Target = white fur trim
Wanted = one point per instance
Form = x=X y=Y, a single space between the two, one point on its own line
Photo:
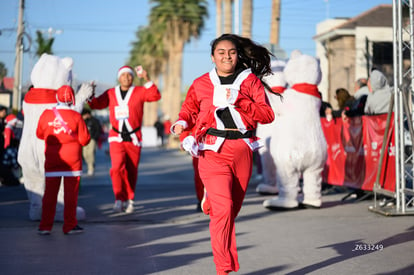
x=125 y=69
x=179 y=122
x=148 y=84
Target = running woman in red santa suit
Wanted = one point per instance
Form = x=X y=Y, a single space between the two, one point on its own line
x=126 y=105
x=224 y=107
x=64 y=132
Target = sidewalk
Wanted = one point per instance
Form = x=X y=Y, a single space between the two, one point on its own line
x=165 y=234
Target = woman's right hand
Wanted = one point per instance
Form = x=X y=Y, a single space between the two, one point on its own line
x=178 y=129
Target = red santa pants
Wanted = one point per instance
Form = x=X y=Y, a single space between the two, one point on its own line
x=71 y=190
x=124 y=172
x=225 y=175
x=198 y=184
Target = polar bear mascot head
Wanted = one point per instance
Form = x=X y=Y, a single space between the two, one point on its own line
x=302 y=74
x=52 y=72
x=48 y=74
x=302 y=68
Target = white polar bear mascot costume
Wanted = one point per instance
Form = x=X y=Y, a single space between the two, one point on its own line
x=48 y=74
x=299 y=142
x=276 y=81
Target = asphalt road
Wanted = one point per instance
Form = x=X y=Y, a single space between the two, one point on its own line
x=166 y=235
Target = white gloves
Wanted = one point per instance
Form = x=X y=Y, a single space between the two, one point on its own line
x=84 y=93
x=190 y=145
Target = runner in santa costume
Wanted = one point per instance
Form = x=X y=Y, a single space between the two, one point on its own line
x=198 y=184
x=126 y=105
x=276 y=81
x=64 y=133
x=224 y=107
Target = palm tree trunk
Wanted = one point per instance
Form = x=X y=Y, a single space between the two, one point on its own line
x=228 y=16
x=175 y=80
x=247 y=11
x=166 y=93
x=150 y=113
x=219 y=18
x=275 y=23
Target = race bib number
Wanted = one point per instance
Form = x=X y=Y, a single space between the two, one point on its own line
x=121 y=112
x=222 y=95
x=219 y=97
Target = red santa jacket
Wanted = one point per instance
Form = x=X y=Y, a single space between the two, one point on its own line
x=8 y=136
x=248 y=106
x=63 y=150
x=128 y=111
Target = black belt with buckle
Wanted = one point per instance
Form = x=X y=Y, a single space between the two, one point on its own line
x=229 y=134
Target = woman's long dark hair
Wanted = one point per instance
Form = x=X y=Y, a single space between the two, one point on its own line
x=249 y=54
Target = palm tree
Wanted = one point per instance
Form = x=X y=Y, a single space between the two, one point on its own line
x=181 y=20
x=247 y=11
x=43 y=45
x=149 y=52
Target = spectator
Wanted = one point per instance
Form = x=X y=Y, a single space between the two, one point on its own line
x=345 y=101
x=9 y=167
x=167 y=128
x=3 y=114
x=89 y=151
x=361 y=88
x=159 y=126
x=380 y=94
x=324 y=106
x=9 y=130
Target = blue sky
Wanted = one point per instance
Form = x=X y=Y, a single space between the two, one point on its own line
x=98 y=34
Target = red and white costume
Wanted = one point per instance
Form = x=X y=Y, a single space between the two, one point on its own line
x=48 y=74
x=64 y=133
x=128 y=112
x=276 y=81
x=225 y=164
x=11 y=121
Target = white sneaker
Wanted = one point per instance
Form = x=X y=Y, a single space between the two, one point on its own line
x=130 y=207
x=118 y=206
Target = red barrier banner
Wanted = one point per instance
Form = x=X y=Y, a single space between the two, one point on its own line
x=354 y=149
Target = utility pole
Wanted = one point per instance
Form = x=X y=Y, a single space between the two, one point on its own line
x=17 y=86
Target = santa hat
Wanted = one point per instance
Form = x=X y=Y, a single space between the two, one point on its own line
x=10 y=119
x=66 y=95
x=125 y=69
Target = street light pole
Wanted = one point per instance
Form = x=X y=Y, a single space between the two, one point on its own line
x=17 y=86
